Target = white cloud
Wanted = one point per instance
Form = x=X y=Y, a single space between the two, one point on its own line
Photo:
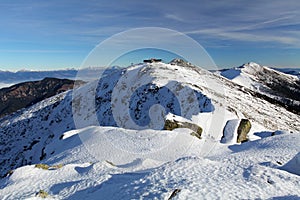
x=248 y=37
x=174 y=17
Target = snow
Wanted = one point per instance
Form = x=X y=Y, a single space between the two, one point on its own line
x=120 y=160
x=121 y=146
x=244 y=75
x=230 y=131
x=5 y=85
x=69 y=134
x=293 y=166
x=246 y=171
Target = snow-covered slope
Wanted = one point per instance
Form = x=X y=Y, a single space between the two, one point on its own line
x=283 y=88
x=130 y=157
x=249 y=171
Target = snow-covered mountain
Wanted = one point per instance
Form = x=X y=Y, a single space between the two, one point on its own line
x=282 y=87
x=291 y=71
x=130 y=157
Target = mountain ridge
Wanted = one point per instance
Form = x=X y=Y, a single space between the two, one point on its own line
x=28 y=93
x=281 y=87
x=44 y=123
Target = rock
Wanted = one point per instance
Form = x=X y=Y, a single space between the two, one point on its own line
x=42 y=194
x=180 y=62
x=171 y=124
x=243 y=130
x=174 y=193
x=279 y=132
x=196 y=135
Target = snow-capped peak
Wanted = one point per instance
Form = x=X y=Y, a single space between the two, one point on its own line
x=283 y=88
x=252 y=64
x=179 y=61
x=251 y=68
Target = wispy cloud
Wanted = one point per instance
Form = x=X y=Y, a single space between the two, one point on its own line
x=87 y=21
x=279 y=26
x=221 y=34
x=174 y=17
x=60 y=25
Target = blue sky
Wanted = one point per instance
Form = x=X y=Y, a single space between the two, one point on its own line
x=60 y=34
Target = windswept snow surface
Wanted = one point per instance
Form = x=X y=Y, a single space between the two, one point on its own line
x=248 y=171
x=230 y=131
x=293 y=166
x=121 y=161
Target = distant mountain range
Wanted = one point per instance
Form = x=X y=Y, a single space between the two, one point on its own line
x=291 y=71
x=8 y=78
x=21 y=76
x=26 y=94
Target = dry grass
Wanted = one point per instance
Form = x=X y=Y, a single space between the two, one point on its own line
x=47 y=167
x=42 y=194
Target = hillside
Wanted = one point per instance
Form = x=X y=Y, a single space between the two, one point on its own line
x=25 y=94
x=283 y=88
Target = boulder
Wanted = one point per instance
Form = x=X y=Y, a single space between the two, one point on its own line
x=174 y=194
x=243 y=130
x=171 y=124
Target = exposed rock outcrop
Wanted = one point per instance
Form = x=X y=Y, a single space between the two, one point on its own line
x=171 y=124
x=243 y=130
